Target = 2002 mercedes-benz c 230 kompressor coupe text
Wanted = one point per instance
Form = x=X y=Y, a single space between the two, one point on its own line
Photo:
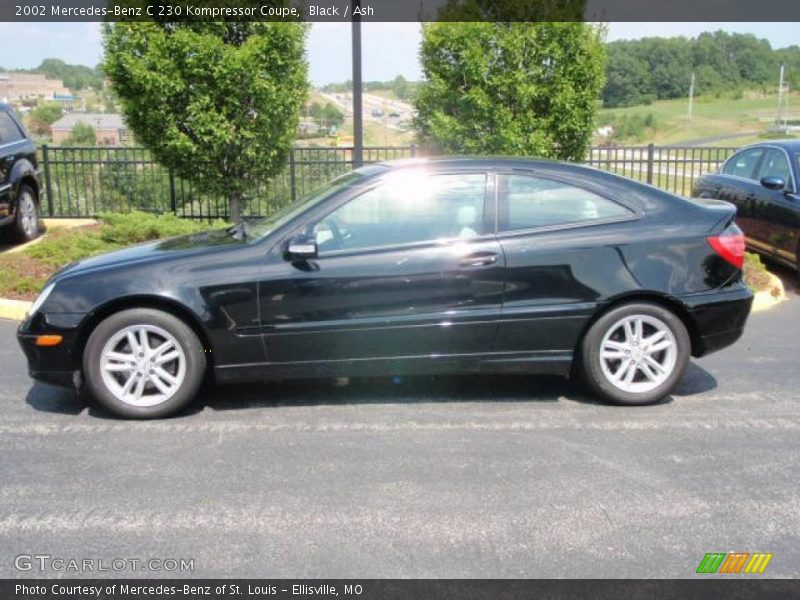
x=422 y=266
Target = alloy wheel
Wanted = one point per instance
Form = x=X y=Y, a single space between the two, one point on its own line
x=638 y=353
x=143 y=365
x=28 y=218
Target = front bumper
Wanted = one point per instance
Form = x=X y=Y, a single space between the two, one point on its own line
x=57 y=365
x=719 y=317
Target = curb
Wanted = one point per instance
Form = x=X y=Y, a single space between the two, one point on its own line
x=14 y=309
x=773 y=295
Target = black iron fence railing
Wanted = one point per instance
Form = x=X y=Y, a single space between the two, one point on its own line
x=85 y=181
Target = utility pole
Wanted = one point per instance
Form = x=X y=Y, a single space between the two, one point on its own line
x=783 y=101
x=691 y=96
x=358 y=118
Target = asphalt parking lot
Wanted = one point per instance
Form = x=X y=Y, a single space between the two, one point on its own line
x=446 y=477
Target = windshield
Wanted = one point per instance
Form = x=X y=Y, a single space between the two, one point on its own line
x=261 y=227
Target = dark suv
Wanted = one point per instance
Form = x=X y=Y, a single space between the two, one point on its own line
x=19 y=179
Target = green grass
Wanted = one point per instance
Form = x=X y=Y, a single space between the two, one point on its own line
x=23 y=274
x=711 y=117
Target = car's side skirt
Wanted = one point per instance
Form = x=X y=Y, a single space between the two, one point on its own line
x=556 y=363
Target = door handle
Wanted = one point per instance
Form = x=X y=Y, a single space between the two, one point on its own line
x=479 y=259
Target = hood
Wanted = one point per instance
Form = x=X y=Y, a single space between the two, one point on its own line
x=150 y=252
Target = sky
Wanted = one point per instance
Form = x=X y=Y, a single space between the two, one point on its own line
x=388 y=49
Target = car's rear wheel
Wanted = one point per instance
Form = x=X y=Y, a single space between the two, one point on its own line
x=143 y=363
x=636 y=353
x=26 y=223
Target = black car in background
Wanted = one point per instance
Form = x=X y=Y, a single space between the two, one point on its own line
x=19 y=180
x=763 y=181
x=425 y=266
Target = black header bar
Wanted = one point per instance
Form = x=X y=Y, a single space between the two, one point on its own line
x=401 y=10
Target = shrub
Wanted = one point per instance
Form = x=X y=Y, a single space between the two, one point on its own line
x=756 y=276
x=135 y=227
x=23 y=274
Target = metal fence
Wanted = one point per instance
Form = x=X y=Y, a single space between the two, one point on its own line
x=672 y=168
x=85 y=181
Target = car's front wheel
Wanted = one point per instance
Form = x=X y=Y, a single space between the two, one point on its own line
x=636 y=353
x=143 y=363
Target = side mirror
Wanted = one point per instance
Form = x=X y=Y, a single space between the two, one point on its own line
x=773 y=183
x=301 y=247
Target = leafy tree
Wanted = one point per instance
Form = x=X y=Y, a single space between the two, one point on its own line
x=49 y=112
x=401 y=87
x=38 y=127
x=217 y=102
x=326 y=114
x=82 y=134
x=510 y=88
x=723 y=63
x=628 y=79
x=75 y=77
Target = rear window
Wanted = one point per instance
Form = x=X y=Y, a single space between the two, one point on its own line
x=528 y=202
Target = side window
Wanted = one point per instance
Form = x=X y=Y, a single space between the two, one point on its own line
x=9 y=132
x=527 y=202
x=407 y=207
x=743 y=164
x=775 y=164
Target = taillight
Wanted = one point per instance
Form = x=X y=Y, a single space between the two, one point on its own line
x=729 y=245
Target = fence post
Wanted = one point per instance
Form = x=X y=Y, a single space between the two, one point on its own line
x=650 y=152
x=48 y=187
x=292 y=175
x=172 y=199
x=413 y=150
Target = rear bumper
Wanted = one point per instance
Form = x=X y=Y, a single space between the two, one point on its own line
x=719 y=317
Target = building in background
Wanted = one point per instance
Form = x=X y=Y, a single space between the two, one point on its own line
x=15 y=87
x=109 y=128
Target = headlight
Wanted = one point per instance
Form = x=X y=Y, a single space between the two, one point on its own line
x=41 y=298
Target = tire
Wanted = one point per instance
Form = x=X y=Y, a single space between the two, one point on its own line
x=171 y=368
x=26 y=224
x=613 y=343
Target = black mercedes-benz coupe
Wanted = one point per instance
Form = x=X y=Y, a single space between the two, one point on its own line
x=424 y=266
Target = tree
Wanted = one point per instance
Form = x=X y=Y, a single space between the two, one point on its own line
x=401 y=87
x=39 y=127
x=82 y=134
x=510 y=88
x=217 y=102
x=75 y=77
x=49 y=112
x=326 y=114
x=627 y=79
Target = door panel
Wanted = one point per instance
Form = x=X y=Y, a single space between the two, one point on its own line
x=554 y=278
x=436 y=299
x=779 y=209
x=408 y=267
x=5 y=184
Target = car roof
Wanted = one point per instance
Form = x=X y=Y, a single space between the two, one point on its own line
x=791 y=144
x=483 y=162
